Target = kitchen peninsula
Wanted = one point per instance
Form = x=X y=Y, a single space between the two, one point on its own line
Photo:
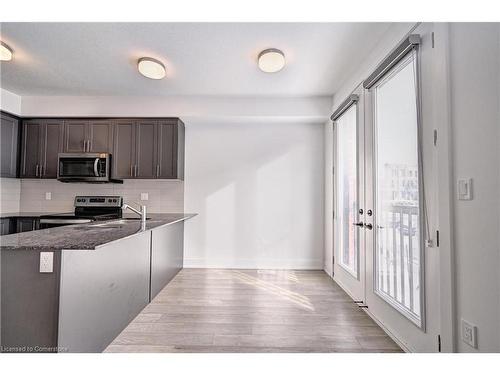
x=74 y=288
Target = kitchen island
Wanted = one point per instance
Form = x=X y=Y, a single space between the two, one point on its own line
x=74 y=288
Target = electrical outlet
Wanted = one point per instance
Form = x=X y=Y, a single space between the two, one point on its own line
x=48 y=196
x=46 y=262
x=144 y=196
x=469 y=333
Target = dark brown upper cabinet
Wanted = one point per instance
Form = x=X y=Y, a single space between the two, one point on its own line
x=88 y=136
x=100 y=136
x=52 y=145
x=75 y=136
x=123 y=157
x=31 y=142
x=42 y=140
x=140 y=148
x=148 y=149
x=170 y=149
x=145 y=149
x=9 y=127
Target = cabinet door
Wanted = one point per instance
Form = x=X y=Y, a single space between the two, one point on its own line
x=123 y=157
x=5 y=226
x=100 y=136
x=76 y=136
x=9 y=130
x=32 y=135
x=26 y=224
x=52 y=145
x=166 y=149
x=146 y=145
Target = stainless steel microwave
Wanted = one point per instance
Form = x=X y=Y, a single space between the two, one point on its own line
x=84 y=167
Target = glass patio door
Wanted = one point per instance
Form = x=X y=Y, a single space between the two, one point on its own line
x=349 y=259
x=395 y=238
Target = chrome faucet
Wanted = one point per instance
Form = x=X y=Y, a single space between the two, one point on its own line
x=142 y=212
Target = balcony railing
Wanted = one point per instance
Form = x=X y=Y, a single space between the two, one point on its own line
x=398 y=255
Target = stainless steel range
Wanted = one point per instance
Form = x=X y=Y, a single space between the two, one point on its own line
x=87 y=209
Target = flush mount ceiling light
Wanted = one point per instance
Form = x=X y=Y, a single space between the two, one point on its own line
x=5 y=52
x=151 y=68
x=271 y=60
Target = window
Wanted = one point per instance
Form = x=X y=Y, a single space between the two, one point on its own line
x=398 y=217
x=347 y=189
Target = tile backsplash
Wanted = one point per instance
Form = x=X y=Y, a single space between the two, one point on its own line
x=163 y=195
x=10 y=193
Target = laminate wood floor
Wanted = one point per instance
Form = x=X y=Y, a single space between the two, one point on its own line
x=209 y=310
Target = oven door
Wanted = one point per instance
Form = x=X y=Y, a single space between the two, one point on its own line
x=83 y=167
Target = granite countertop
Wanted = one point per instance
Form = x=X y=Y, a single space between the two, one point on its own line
x=89 y=236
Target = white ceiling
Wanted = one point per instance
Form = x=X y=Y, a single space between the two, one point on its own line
x=99 y=59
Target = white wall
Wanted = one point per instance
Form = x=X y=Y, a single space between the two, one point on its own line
x=276 y=109
x=266 y=212
x=10 y=102
x=475 y=118
x=258 y=190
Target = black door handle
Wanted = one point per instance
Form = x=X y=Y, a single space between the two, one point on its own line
x=360 y=224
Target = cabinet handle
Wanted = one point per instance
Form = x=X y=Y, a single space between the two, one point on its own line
x=41 y=171
x=136 y=169
x=89 y=145
x=131 y=174
x=36 y=170
x=157 y=170
x=84 y=145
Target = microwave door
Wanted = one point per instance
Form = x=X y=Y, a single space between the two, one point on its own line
x=77 y=167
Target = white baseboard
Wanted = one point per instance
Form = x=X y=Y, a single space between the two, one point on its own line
x=285 y=264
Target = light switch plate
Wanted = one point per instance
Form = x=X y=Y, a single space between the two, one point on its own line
x=469 y=333
x=464 y=189
x=144 y=196
x=46 y=262
x=48 y=196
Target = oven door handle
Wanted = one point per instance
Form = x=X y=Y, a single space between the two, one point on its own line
x=96 y=171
